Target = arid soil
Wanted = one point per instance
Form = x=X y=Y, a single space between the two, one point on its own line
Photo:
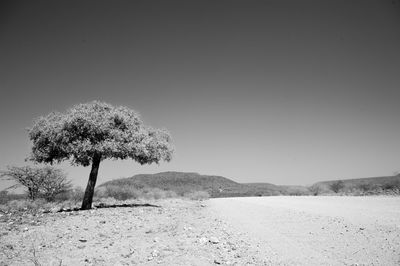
x=317 y=230
x=231 y=231
x=179 y=232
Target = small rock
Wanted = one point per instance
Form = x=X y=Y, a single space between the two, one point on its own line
x=26 y=229
x=214 y=240
x=82 y=240
x=217 y=261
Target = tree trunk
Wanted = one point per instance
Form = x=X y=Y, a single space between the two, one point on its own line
x=88 y=198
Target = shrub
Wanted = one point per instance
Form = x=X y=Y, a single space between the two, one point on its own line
x=315 y=189
x=366 y=187
x=395 y=184
x=74 y=195
x=154 y=193
x=197 y=195
x=337 y=186
x=119 y=193
x=25 y=205
x=130 y=192
x=46 y=182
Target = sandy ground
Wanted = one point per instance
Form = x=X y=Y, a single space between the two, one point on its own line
x=179 y=232
x=317 y=230
x=232 y=231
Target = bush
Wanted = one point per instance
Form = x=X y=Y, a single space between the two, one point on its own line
x=130 y=192
x=197 y=195
x=74 y=195
x=393 y=185
x=337 y=186
x=315 y=190
x=119 y=193
x=25 y=205
x=40 y=182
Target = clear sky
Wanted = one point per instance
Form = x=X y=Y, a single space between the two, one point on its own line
x=286 y=92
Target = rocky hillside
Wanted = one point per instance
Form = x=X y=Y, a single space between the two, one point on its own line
x=179 y=182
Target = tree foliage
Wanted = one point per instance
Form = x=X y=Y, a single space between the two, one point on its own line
x=97 y=128
x=88 y=133
x=46 y=182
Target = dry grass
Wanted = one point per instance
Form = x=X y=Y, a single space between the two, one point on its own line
x=197 y=195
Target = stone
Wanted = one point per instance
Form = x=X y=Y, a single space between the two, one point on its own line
x=214 y=240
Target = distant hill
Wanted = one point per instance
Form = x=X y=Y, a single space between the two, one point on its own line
x=180 y=182
x=218 y=186
x=368 y=183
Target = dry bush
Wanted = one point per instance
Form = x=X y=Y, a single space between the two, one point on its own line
x=315 y=190
x=25 y=205
x=130 y=192
x=74 y=195
x=337 y=186
x=6 y=197
x=197 y=195
x=154 y=193
x=394 y=185
x=119 y=193
x=40 y=182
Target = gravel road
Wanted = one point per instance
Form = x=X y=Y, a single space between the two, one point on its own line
x=316 y=230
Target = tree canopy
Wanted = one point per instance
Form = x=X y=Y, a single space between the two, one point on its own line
x=97 y=128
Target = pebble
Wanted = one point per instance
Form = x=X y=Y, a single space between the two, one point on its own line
x=214 y=240
x=216 y=261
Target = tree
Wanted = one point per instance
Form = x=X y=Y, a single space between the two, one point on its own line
x=337 y=186
x=46 y=182
x=88 y=133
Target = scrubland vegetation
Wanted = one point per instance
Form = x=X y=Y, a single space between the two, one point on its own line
x=184 y=185
x=388 y=185
x=71 y=198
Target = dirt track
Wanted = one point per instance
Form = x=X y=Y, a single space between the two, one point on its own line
x=317 y=230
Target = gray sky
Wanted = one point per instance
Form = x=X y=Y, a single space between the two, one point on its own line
x=286 y=92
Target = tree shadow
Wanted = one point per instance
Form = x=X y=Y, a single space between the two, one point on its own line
x=103 y=205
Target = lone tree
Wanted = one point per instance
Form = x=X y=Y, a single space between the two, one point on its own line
x=88 y=133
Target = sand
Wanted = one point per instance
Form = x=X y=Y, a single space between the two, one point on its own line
x=231 y=231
